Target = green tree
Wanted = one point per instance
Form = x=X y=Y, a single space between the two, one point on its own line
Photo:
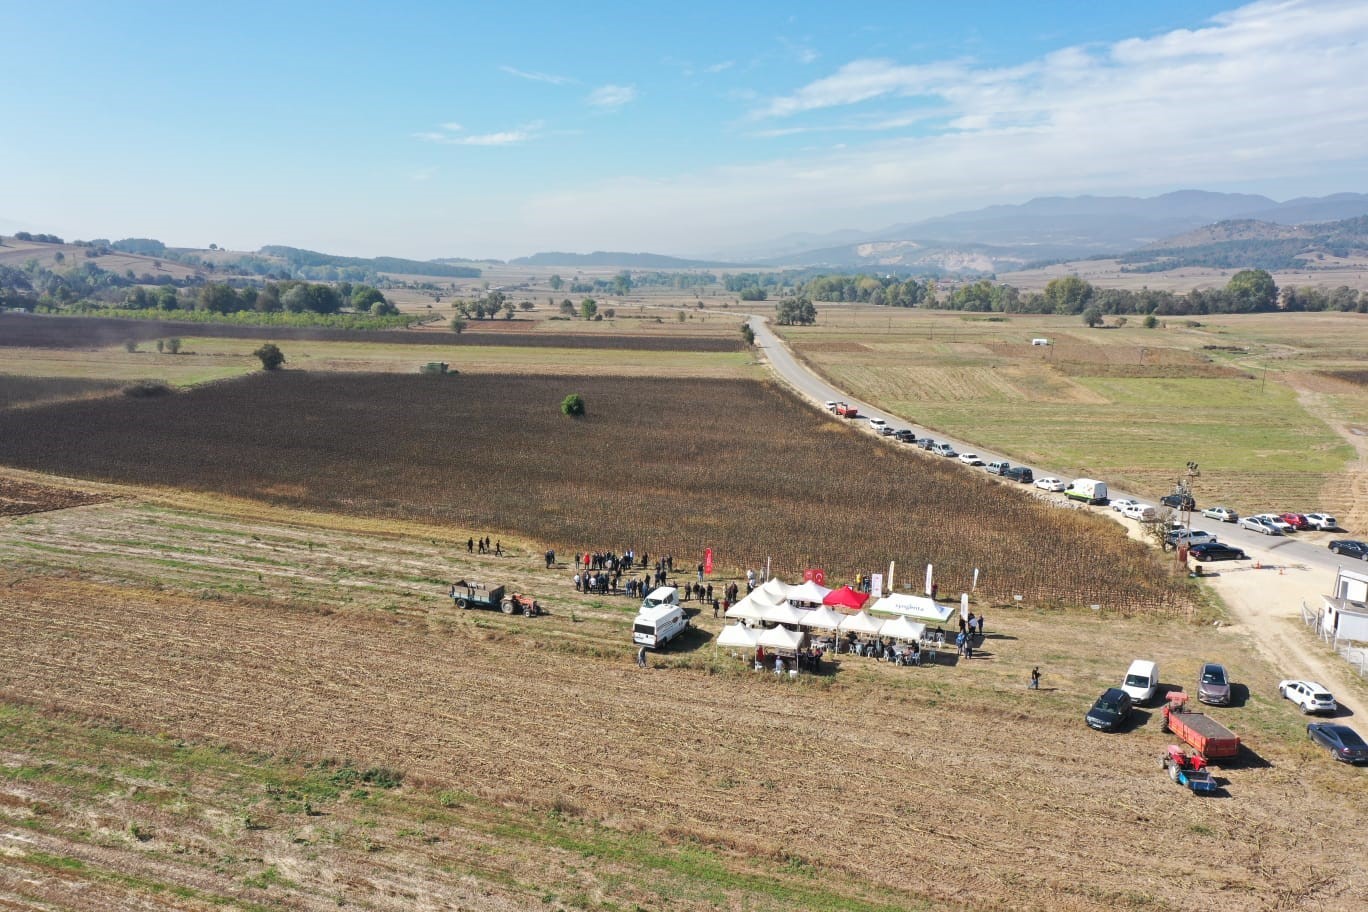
x=1151 y=321
x=1092 y=316
x=556 y=282
x=588 y=307
x=219 y=298
x=527 y=305
x=271 y=356
x=1068 y=295
x=747 y=334
x=796 y=312
x=567 y=307
x=458 y=325
x=509 y=310
x=364 y=297
x=573 y=405
x=622 y=282
x=173 y=346
x=1252 y=290
x=609 y=313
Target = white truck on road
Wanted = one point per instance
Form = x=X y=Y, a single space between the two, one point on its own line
x=1088 y=490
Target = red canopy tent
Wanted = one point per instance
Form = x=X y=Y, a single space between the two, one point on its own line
x=846 y=597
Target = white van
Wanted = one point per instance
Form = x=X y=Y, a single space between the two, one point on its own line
x=1040 y=341
x=660 y=619
x=1142 y=680
x=1087 y=490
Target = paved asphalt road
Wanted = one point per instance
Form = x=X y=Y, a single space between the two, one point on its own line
x=1286 y=550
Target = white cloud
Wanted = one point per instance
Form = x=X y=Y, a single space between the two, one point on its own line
x=612 y=96
x=1268 y=93
x=534 y=76
x=502 y=138
x=453 y=127
x=720 y=67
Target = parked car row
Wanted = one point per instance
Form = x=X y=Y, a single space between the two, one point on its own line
x=1112 y=710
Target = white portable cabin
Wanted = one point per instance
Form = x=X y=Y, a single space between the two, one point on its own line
x=1345 y=616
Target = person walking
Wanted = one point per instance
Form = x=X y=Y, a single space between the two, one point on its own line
x=1035 y=678
x=716 y=607
x=641 y=657
x=470 y=545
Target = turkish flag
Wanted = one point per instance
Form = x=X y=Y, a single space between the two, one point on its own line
x=707 y=560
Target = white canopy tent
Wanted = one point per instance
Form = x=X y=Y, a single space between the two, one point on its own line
x=900 y=628
x=748 y=609
x=774 y=591
x=783 y=614
x=781 y=638
x=808 y=592
x=917 y=607
x=822 y=618
x=738 y=635
x=861 y=623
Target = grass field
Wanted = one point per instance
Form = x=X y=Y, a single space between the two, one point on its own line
x=220 y=710
x=668 y=466
x=1129 y=405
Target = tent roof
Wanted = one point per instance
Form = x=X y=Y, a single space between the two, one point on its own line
x=775 y=590
x=738 y=635
x=780 y=638
x=808 y=592
x=860 y=622
x=900 y=628
x=919 y=607
x=746 y=609
x=783 y=614
x=846 y=598
x=822 y=617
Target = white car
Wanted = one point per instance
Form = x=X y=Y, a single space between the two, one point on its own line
x=1310 y=696
x=1122 y=503
x=1051 y=484
x=1277 y=522
x=1322 y=521
x=1224 y=514
x=878 y=424
x=1140 y=512
x=970 y=459
x=831 y=405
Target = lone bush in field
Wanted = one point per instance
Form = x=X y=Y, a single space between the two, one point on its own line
x=271 y=356
x=573 y=405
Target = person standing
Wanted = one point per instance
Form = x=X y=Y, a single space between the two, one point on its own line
x=470 y=545
x=716 y=607
x=1035 y=678
x=641 y=657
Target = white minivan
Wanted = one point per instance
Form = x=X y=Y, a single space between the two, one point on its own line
x=660 y=618
x=1142 y=680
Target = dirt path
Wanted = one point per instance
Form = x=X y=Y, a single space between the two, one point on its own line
x=1351 y=487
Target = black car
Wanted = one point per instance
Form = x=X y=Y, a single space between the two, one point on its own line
x=1019 y=473
x=1179 y=501
x=906 y=436
x=1346 y=745
x=1111 y=710
x=926 y=443
x=1215 y=551
x=1350 y=548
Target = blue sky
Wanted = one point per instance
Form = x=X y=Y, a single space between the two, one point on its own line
x=462 y=129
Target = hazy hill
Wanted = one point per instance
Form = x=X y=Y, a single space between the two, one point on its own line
x=297 y=257
x=612 y=258
x=1253 y=244
x=1053 y=228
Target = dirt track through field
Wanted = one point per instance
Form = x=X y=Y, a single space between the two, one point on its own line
x=951 y=798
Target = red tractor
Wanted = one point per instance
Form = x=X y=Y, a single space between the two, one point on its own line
x=1188 y=770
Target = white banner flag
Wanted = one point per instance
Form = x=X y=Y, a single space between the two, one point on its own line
x=928 y=579
x=975 y=586
x=964 y=605
x=890 y=575
x=876 y=585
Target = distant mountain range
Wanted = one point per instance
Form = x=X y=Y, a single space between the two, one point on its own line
x=1000 y=238
x=611 y=258
x=1254 y=244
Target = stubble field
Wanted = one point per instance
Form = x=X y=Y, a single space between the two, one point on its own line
x=173 y=741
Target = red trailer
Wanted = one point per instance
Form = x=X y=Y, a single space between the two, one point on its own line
x=847 y=411
x=1204 y=734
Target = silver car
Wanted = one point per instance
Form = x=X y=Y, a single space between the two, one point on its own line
x=1213 y=685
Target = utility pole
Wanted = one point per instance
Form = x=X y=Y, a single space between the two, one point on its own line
x=1186 y=500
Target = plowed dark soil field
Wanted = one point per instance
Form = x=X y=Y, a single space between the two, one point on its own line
x=661 y=466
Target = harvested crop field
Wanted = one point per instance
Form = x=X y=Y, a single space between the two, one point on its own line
x=661 y=466
x=540 y=776
x=25 y=331
x=17 y=390
x=19 y=497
